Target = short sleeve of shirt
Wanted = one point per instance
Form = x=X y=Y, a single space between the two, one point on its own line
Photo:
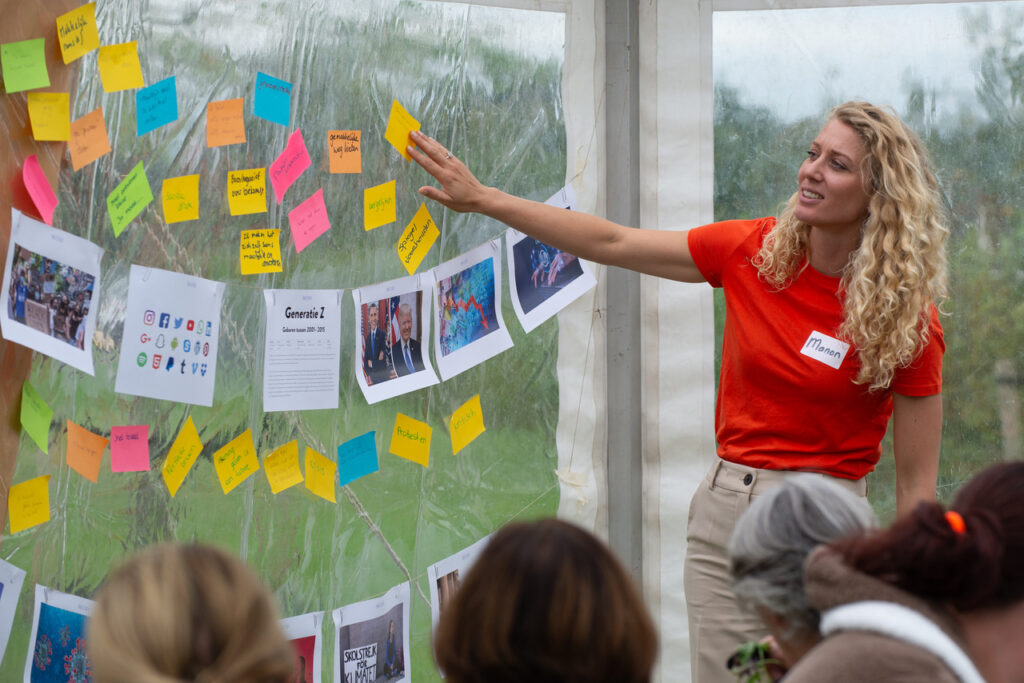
x=923 y=377
x=711 y=245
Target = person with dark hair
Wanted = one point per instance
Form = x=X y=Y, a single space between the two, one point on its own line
x=938 y=597
x=546 y=602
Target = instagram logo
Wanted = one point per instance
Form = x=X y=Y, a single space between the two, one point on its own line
x=149 y=317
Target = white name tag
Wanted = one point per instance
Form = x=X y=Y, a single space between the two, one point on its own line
x=825 y=349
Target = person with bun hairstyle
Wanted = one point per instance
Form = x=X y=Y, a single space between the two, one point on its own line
x=186 y=613
x=546 y=602
x=937 y=598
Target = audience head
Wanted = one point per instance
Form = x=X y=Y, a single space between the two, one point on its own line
x=186 y=613
x=773 y=538
x=546 y=602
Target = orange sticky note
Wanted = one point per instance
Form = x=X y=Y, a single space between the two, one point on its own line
x=282 y=467
x=247 y=191
x=85 y=451
x=415 y=242
x=236 y=461
x=466 y=424
x=224 y=122
x=119 y=67
x=184 y=451
x=400 y=124
x=50 y=113
x=77 y=33
x=89 y=139
x=345 y=149
x=28 y=503
x=320 y=474
x=181 y=198
x=379 y=205
x=411 y=440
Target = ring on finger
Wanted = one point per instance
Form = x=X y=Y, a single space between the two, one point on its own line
x=448 y=155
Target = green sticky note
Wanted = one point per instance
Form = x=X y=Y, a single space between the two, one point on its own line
x=24 y=65
x=35 y=416
x=129 y=199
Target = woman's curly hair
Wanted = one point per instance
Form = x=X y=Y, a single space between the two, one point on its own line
x=898 y=273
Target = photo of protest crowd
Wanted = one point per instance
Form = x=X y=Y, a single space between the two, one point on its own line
x=49 y=296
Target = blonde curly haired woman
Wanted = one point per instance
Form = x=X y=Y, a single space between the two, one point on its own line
x=831 y=329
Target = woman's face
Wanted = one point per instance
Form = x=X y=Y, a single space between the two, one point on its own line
x=832 y=194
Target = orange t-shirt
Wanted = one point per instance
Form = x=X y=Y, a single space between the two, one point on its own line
x=786 y=399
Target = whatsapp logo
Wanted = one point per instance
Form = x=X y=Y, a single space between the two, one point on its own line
x=141 y=360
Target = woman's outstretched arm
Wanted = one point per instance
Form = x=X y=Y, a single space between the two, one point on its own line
x=655 y=252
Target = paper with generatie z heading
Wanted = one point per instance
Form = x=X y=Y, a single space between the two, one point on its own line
x=303 y=352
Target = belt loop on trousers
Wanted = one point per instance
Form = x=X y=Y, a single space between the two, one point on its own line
x=715 y=470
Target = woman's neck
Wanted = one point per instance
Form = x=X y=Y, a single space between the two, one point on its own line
x=829 y=252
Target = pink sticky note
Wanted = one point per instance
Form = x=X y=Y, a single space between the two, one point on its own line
x=289 y=166
x=39 y=188
x=309 y=220
x=129 y=448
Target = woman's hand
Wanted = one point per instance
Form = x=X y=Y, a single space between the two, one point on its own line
x=460 y=190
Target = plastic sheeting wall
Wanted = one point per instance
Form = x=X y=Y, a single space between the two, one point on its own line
x=487 y=83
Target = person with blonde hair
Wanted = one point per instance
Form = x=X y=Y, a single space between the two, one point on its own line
x=186 y=613
x=546 y=602
x=831 y=328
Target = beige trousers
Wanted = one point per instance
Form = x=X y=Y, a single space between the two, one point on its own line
x=717 y=624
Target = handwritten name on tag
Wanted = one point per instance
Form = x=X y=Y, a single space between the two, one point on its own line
x=825 y=349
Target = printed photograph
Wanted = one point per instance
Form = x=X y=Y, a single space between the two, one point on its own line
x=58 y=655
x=304 y=654
x=371 y=650
x=391 y=334
x=465 y=305
x=49 y=297
x=541 y=271
x=447 y=586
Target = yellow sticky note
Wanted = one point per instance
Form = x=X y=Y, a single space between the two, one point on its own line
x=415 y=242
x=320 y=475
x=247 y=191
x=181 y=198
x=50 y=113
x=28 y=503
x=224 y=122
x=77 y=33
x=411 y=440
x=259 y=251
x=89 y=139
x=119 y=67
x=282 y=467
x=400 y=124
x=466 y=424
x=379 y=205
x=236 y=461
x=182 y=456
x=84 y=451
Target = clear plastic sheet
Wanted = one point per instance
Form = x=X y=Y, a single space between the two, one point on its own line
x=486 y=82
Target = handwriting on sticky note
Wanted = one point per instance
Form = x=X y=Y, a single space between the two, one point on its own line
x=272 y=99
x=247 y=191
x=415 y=242
x=320 y=474
x=28 y=503
x=38 y=186
x=84 y=451
x=180 y=198
x=24 y=65
x=156 y=105
x=89 y=139
x=224 y=122
x=36 y=416
x=466 y=424
x=182 y=456
x=259 y=251
x=129 y=198
x=411 y=439
x=309 y=220
x=289 y=165
x=129 y=448
x=236 y=461
x=356 y=458
x=400 y=124
x=379 y=205
x=77 y=33
x=50 y=114
x=345 y=150
x=119 y=67
x=282 y=467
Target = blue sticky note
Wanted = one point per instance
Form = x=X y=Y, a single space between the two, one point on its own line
x=156 y=105
x=273 y=99
x=356 y=458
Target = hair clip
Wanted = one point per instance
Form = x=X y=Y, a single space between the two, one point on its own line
x=956 y=522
